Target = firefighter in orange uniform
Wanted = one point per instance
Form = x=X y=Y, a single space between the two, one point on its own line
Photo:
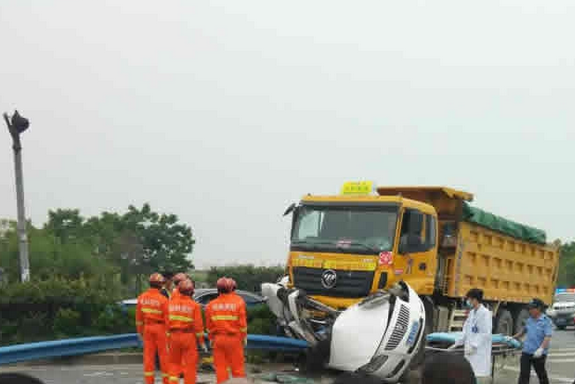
x=178 y=278
x=151 y=319
x=227 y=329
x=186 y=330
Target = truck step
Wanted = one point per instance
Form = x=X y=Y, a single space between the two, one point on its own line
x=458 y=317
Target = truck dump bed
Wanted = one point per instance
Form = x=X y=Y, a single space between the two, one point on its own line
x=508 y=260
x=507 y=269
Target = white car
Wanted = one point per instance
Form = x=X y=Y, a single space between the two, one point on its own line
x=562 y=312
x=378 y=336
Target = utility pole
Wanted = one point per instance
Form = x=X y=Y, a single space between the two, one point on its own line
x=16 y=125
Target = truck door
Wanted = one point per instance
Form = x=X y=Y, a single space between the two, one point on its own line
x=417 y=250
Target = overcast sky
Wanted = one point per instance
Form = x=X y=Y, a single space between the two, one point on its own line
x=224 y=112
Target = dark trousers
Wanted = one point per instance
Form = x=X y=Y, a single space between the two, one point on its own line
x=527 y=361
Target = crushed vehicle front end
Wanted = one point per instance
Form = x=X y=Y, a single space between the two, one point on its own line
x=380 y=335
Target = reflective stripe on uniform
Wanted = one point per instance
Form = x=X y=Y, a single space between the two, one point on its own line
x=150 y=310
x=181 y=318
x=199 y=334
x=148 y=374
x=243 y=329
x=174 y=378
x=139 y=323
x=165 y=375
x=224 y=317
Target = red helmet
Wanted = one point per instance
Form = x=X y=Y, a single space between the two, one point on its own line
x=179 y=277
x=156 y=279
x=234 y=285
x=225 y=285
x=186 y=287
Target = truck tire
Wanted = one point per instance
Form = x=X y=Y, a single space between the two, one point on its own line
x=520 y=320
x=504 y=323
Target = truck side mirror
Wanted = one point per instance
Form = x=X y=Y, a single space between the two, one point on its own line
x=290 y=209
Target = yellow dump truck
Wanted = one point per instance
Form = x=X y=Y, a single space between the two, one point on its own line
x=345 y=247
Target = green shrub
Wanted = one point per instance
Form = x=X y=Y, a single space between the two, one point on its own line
x=57 y=308
x=261 y=321
x=248 y=277
x=67 y=322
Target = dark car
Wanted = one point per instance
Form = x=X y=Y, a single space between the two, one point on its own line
x=204 y=296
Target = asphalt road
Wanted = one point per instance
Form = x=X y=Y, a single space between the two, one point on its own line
x=104 y=374
x=560 y=366
x=560 y=363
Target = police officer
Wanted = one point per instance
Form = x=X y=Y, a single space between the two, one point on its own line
x=539 y=330
x=477 y=336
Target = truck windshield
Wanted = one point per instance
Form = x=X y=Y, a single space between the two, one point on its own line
x=365 y=230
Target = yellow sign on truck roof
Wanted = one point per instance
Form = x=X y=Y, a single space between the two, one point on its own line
x=358 y=188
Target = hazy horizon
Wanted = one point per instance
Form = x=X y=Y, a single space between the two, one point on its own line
x=224 y=113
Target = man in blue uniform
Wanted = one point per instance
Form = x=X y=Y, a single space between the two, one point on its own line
x=539 y=330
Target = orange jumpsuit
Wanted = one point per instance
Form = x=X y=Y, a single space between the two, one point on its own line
x=174 y=296
x=151 y=319
x=186 y=327
x=227 y=329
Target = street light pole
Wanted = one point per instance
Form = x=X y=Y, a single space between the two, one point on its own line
x=16 y=127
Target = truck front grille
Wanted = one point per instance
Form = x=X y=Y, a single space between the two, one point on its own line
x=350 y=284
x=399 y=330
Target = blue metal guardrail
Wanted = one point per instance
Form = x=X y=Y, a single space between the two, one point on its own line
x=85 y=345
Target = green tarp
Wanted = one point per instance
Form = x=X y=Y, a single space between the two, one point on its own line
x=504 y=226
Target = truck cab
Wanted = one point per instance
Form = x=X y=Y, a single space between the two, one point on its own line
x=347 y=246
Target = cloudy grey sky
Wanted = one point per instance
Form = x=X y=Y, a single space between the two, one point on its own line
x=224 y=112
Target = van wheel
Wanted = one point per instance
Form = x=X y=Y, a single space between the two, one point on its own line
x=504 y=323
x=520 y=320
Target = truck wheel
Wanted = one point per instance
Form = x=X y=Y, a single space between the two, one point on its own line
x=504 y=323
x=520 y=320
x=561 y=327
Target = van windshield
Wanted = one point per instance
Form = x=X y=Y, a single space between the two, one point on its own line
x=360 y=229
x=565 y=298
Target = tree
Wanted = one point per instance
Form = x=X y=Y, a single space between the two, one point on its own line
x=141 y=241
x=166 y=243
x=566 y=276
x=127 y=246
x=65 y=224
